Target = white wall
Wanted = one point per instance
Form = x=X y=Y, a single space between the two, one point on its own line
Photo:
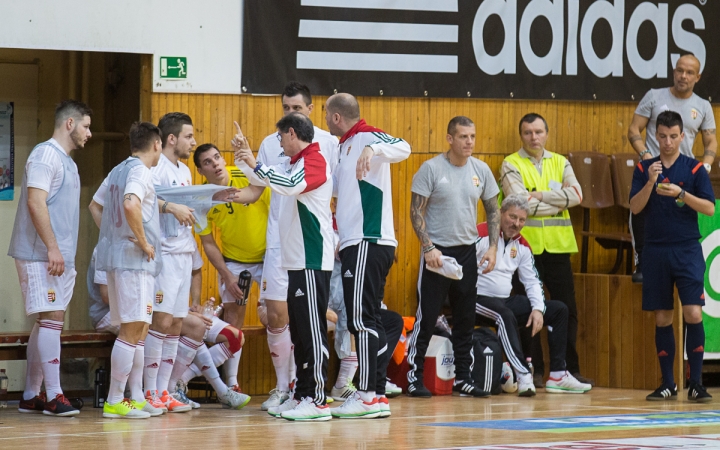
x=209 y=34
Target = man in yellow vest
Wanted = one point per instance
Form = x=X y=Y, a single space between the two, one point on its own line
x=549 y=182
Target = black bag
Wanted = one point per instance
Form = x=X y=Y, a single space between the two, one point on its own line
x=488 y=360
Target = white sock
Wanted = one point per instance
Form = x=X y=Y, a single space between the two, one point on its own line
x=136 y=374
x=187 y=348
x=153 y=352
x=190 y=373
x=34 y=376
x=49 y=352
x=121 y=361
x=292 y=369
x=167 y=361
x=366 y=396
x=220 y=353
x=231 y=368
x=557 y=374
x=348 y=367
x=280 y=347
x=204 y=360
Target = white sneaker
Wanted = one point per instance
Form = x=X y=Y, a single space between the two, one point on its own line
x=384 y=405
x=567 y=384
x=392 y=389
x=276 y=399
x=307 y=411
x=356 y=408
x=526 y=388
x=343 y=393
x=233 y=400
x=147 y=407
x=276 y=411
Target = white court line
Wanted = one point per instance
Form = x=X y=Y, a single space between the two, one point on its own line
x=381 y=31
x=620 y=398
x=504 y=404
x=412 y=5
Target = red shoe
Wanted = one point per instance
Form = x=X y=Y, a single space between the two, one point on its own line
x=60 y=407
x=173 y=405
x=35 y=405
x=154 y=400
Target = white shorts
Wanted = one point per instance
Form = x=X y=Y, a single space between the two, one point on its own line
x=215 y=329
x=172 y=285
x=131 y=296
x=197 y=261
x=100 y=277
x=255 y=270
x=105 y=325
x=274 y=284
x=41 y=291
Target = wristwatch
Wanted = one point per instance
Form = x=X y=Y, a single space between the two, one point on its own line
x=681 y=196
x=707 y=166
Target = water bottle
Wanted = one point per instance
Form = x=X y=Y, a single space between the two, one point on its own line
x=3 y=388
x=218 y=310
x=244 y=282
x=528 y=360
x=100 y=388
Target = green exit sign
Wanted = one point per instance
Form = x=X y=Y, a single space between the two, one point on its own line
x=173 y=67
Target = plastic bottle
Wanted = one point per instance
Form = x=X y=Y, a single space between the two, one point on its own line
x=3 y=388
x=100 y=388
x=244 y=282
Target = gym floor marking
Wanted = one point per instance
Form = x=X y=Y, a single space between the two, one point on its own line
x=706 y=441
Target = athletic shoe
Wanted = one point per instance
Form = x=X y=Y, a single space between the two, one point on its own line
x=236 y=388
x=123 y=410
x=147 y=407
x=355 y=408
x=276 y=411
x=181 y=391
x=538 y=380
x=233 y=400
x=173 y=404
x=418 y=389
x=583 y=379
x=663 y=393
x=35 y=405
x=154 y=399
x=567 y=384
x=526 y=388
x=384 y=407
x=343 y=393
x=329 y=400
x=276 y=398
x=391 y=389
x=697 y=393
x=307 y=411
x=60 y=406
x=465 y=389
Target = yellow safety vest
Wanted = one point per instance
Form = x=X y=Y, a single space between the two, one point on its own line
x=553 y=234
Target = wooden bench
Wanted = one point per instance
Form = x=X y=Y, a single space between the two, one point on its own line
x=75 y=344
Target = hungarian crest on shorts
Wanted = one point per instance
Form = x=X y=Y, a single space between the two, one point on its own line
x=51 y=295
x=149 y=309
x=159 y=297
x=264 y=285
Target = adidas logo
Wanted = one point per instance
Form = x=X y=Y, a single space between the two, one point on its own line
x=299 y=293
x=169 y=361
x=487 y=350
x=152 y=366
x=699 y=349
x=54 y=361
x=443 y=180
x=347 y=274
x=274 y=355
x=662 y=353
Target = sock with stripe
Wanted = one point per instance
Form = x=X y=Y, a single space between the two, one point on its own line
x=153 y=352
x=665 y=345
x=167 y=361
x=34 y=376
x=48 y=347
x=136 y=373
x=695 y=349
x=186 y=351
x=121 y=363
x=348 y=367
x=231 y=367
x=204 y=360
x=280 y=346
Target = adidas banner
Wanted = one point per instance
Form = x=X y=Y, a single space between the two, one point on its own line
x=523 y=49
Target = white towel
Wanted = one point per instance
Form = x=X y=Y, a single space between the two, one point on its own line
x=450 y=268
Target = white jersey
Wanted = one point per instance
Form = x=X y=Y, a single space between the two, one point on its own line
x=364 y=207
x=271 y=154
x=175 y=238
x=512 y=255
x=139 y=183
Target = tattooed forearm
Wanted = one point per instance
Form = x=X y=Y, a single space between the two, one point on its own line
x=710 y=132
x=709 y=153
x=417 y=217
x=635 y=137
x=493 y=220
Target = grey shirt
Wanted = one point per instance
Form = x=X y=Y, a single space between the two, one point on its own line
x=696 y=113
x=453 y=194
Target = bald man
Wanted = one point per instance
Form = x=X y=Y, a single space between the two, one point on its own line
x=697 y=115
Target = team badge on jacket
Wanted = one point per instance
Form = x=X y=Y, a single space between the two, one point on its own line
x=513 y=252
x=51 y=296
x=159 y=297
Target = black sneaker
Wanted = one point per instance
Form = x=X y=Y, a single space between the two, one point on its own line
x=35 y=405
x=465 y=389
x=418 y=389
x=60 y=406
x=637 y=277
x=663 y=393
x=697 y=393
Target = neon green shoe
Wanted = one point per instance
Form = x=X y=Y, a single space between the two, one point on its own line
x=123 y=410
x=147 y=407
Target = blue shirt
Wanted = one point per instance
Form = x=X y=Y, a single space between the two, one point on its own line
x=666 y=222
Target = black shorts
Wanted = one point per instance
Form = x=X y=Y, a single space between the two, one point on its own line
x=665 y=266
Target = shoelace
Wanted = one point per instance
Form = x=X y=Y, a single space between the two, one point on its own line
x=127 y=403
x=62 y=399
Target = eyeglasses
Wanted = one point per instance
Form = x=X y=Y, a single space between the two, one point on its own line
x=279 y=136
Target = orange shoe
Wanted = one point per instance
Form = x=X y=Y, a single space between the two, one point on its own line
x=154 y=400
x=173 y=405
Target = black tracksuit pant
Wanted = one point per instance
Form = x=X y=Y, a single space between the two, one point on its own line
x=433 y=289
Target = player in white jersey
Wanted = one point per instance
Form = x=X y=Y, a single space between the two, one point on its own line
x=296 y=98
x=367 y=243
x=43 y=244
